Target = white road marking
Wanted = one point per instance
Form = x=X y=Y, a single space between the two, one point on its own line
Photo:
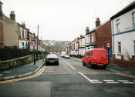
x=91 y=81
x=126 y=82
x=110 y=81
x=72 y=67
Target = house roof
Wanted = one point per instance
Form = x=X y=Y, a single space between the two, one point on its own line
x=125 y=10
x=93 y=30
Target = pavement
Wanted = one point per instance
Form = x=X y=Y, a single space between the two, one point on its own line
x=21 y=71
x=120 y=70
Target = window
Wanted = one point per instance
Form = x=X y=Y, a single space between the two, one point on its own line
x=134 y=46
x=133 y=19
x=22 y=44
x=119 y=47
x=118 y=27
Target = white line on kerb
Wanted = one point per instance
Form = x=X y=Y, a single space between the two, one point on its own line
x=91 y=81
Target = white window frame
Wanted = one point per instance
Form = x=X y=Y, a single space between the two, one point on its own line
x=133 y=19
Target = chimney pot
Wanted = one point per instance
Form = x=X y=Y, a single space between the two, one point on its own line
x=97 y=22
x=1 y=12
x=12 y=15
x=87 y=30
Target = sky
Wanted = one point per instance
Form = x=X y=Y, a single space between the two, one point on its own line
x=62 y=19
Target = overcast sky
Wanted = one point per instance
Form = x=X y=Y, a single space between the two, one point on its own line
x=62 y=19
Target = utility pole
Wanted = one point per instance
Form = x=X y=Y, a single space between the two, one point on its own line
x=37 y=36
x=37 y=40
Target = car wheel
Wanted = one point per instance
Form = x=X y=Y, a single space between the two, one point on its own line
x=57 y=63
x=46 y=63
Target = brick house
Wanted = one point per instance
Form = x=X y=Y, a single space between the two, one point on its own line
x=103 y=34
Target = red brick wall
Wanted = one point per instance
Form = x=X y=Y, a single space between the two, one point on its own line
x=104 y=35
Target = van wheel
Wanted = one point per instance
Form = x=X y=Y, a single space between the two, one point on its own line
x=93 y=66
x=84 y=64
x=104 y=66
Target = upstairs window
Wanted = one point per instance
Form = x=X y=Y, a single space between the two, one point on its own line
x=133 y=19
x=118 y=25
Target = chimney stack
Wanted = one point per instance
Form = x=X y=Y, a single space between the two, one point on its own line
x=12 y=15
x=87 y=30
x=1 y=12
x=97 y=22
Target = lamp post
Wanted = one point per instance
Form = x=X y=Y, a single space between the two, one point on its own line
x=34 y=55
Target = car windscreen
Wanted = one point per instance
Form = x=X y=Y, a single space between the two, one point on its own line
x=51 y=56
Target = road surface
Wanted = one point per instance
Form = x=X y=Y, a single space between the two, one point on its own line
x=71 y=79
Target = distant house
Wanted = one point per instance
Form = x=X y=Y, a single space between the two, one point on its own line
x=123 y=35
x=101 y=37
x=32 y=41
x=23 y=37
x=72 y=48
x=77 y=46
x=81 y=45
x=89 y=39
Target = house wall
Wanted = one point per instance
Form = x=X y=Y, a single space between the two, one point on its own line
x=10 y=32
x=104 y=35
x=1 y=33
x=23 y=39
x=126 y=36
x=87 y=39
x=125 y=22
x=127 y=46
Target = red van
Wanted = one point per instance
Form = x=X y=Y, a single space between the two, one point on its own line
x=96 y=57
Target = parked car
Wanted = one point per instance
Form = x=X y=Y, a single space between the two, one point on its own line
x=52 y=59
x=96 y=57
x=66 y=56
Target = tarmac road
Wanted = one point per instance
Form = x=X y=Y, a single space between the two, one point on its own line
x=71 y=79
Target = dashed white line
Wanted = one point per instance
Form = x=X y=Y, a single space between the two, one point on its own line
x=91 y=81
x=72 y=67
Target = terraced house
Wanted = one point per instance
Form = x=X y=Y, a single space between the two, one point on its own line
x=13 y=34
x=123 y=35
x=23 y=37
x=8 y=29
